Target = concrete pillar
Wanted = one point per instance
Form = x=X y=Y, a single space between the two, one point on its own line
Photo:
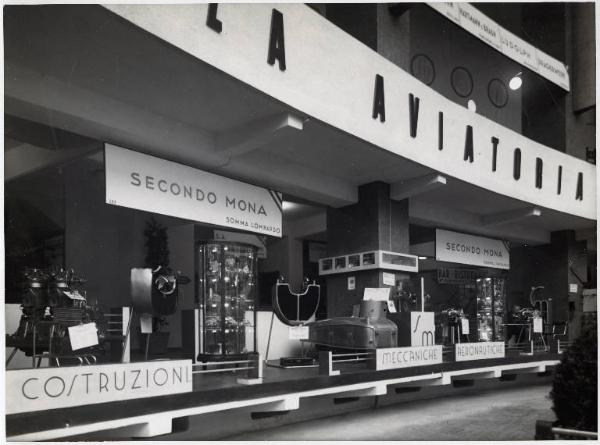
x=376 y=222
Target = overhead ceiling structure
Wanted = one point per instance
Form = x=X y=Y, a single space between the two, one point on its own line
x=84 y=70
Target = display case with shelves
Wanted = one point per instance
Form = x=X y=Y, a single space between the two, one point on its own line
x=226 y=283
x=375 y=259
x=491 y=309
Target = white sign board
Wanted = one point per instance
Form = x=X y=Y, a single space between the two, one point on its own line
x=376 y=293
x=464 y=325
x=393 y=358
x=472 y=20
x=422 y=329
x=461 y=248
x=389 y=279
x=298 y=333
x=83 y=336
x=538 y=325
x=143 y=182
x=318 y=83
x=479 y=351
x=391 y=307
x=48 y=388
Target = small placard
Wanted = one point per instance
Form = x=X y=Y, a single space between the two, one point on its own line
x=146 y=323
x=464 y=325
x=389 y=279
x=75 y=295
x=393 y=358
x=376 y=293
x=573 y=288
x=83 y=336
x=391 y=307
x=351 y=283
x=538 y=326
x=479 y=351
x=298 y=332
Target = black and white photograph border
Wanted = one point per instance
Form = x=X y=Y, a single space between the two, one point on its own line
x=299 y=221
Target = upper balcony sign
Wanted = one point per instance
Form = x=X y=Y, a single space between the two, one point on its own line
x=299 y=58
x=472 y=20
x=147 y=183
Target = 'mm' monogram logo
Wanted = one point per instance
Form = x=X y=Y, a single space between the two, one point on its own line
x=427 y=338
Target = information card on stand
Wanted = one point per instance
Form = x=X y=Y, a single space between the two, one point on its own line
x=479 y=351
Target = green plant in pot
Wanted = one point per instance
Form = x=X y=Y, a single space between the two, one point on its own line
x=575 y=385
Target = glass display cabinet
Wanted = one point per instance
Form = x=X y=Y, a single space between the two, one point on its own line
x=491 y=309
x=226 y=284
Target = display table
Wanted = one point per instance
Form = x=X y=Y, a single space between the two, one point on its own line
x=281 y=390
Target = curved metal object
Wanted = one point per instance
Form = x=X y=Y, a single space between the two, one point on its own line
x=147 y=292
x=294 y=308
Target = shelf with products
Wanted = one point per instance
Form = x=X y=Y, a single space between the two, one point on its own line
x=374 y=259
x=491 y=311
x=226 y=293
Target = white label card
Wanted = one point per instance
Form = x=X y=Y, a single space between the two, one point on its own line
x=538 y=326
x=391 y=307
x=83 y=336
x=389 y=279
x=298 y=332
x=573 y=288
x=376 y=293
x=351 y=283
x=464 y=324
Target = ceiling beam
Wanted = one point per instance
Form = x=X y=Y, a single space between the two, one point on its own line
x=432 y=215
x=256 y=134
x=414 y=186
x=509 y=216
x=85 y=112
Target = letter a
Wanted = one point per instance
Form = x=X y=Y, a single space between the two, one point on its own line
x=379 y=99
x=276 y=41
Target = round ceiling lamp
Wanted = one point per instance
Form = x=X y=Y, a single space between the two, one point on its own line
x=516 y=82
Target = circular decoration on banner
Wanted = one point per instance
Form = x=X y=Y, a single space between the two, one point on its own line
x=461 y=81
x=421 y=66
x=497 y=93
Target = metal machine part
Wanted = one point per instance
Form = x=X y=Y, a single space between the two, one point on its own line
x=156 y=291
x=370 y=330
x=295 y=308
x=52 y=301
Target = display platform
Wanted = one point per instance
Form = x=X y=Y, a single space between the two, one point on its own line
x=281 y=390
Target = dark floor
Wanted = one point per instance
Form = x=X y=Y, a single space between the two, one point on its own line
x=507 y=414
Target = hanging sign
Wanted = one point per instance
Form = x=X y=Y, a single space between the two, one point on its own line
x=461 y=248
x=144 y=182
x=393 y=358
x=41 y=389
x=267 y=47
x=479 y=351
x=481 y=26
